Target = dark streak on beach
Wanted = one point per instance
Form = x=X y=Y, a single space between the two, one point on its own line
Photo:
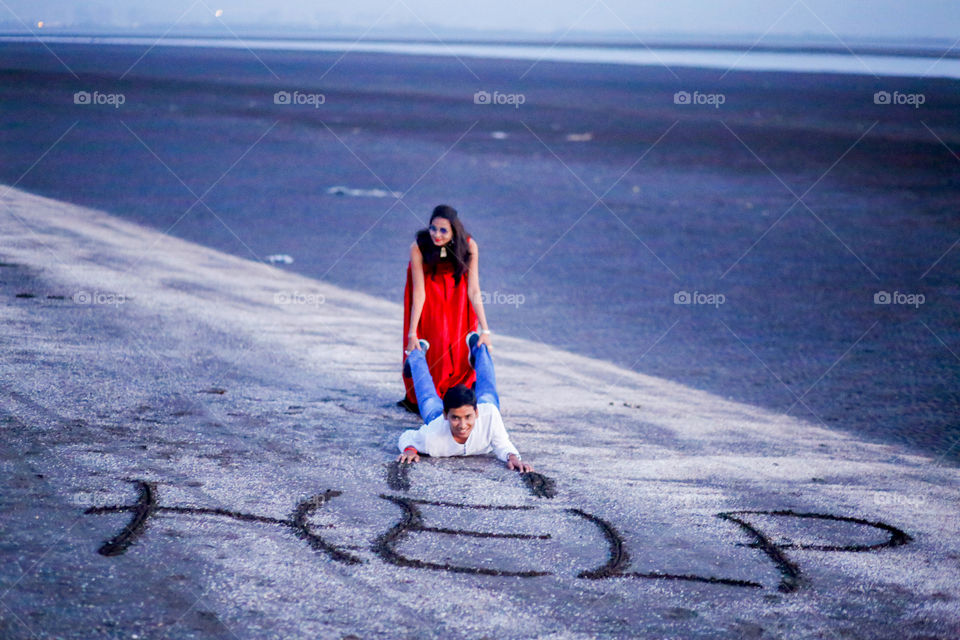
x=398 y=476
x=146 y=506
x=790 y=578
x=540 y=485
x=412 y=521
x=457 y=505
x=897 y=537
x=619 y=560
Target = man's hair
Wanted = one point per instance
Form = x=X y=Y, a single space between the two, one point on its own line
x=459 y=396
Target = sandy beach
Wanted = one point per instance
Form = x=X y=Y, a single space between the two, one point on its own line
x=198 y=445
x=595 y=202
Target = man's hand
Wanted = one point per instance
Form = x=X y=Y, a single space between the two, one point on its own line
x=513 y=462
x=409 y=456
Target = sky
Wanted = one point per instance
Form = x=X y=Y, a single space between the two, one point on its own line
x=877 y=19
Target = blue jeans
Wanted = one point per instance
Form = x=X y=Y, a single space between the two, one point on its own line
x=429 y=401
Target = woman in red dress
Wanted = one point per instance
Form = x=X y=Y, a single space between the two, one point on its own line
x=442 y=302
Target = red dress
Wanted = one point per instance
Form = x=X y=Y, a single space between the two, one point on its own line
x=446 y=320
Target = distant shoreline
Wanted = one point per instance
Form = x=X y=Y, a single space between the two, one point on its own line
x=919 y=61
x=891 y=49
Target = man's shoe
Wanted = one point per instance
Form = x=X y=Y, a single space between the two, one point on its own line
x=472 y=339
x=406 y=367
x=409 y=406
x=423 y=345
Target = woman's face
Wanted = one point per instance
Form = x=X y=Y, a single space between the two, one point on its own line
x=440 y=231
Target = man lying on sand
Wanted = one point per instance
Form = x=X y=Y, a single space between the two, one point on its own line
x=464 y=423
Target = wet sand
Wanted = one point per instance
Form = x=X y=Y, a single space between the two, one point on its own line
x=197 y=445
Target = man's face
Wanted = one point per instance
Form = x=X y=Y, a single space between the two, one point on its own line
x=461 y=422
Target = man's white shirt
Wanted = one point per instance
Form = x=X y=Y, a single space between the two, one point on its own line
x=488 y=436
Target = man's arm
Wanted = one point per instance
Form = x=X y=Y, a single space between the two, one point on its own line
x=411 y=443
x=502 y=446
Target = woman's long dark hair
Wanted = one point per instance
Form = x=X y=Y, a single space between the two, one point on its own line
x=458 y=250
